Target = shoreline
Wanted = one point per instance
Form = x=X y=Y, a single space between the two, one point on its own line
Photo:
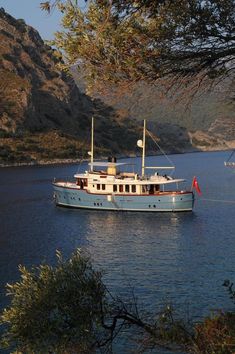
x=74 y=161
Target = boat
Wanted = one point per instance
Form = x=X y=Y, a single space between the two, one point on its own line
x=230 y=163
x=106 y=187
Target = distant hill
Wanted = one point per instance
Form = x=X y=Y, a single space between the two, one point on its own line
x=206 y=122
x=43 y=115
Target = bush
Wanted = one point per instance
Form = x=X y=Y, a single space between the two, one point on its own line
x=54 y=308
x=216 y=334
x=5 y=134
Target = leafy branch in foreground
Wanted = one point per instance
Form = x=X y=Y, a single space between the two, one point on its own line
x=66 y=308
x=124 y=42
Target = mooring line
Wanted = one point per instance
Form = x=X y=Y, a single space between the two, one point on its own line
x=219 y=200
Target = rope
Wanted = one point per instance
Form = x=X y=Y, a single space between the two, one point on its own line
x=159 y=147
x=230 y=156
x=82 y=159
x=219 y=200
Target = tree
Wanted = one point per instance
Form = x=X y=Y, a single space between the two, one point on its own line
x=68 y=309
x=124 y=42
x=55 y=308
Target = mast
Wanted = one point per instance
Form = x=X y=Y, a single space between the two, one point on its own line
x=143 y=147
x=92 y=143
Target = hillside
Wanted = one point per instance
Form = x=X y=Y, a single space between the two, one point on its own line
x=209 y=118
x=207 y=122
x=43 y=115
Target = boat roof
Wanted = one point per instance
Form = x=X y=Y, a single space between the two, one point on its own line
x=107 y=164
x=130 y=180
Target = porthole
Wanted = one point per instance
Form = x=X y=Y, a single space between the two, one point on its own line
x=154 y=206
x=149 y=206
x=94 y=203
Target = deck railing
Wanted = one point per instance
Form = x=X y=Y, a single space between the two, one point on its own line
x=66 y=179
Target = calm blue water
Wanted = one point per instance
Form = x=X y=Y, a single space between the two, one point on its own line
x=182 y=258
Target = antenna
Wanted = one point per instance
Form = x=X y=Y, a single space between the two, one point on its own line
x=91 y=153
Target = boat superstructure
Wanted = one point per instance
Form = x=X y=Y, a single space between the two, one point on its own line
x=105 y=186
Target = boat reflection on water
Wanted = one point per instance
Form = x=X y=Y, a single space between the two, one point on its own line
x=122 y=234
x=143 y=251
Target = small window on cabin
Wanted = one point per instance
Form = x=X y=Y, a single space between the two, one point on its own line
x=133 y=188
x=98 y=187
x=121 y=188
x=103 y=187
x=114 y=188
x=157 y=187
x=85 y=182
x=127 y=188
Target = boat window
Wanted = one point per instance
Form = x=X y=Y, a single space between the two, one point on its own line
x=144 y=189
x=127 y=188
x=115 y=188
x=85 y=182
x=103 y=187
x=157 y=187
x=133 y=188
x=151 y=189
x=121 y=188
x=98 y=186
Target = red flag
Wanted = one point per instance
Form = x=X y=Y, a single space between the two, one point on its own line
x=196 y=186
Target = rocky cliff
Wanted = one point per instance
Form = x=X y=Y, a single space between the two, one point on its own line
x=43 y=115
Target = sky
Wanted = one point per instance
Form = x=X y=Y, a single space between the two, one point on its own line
x=30 y=11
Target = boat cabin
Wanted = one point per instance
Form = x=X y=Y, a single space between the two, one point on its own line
x=112 y=181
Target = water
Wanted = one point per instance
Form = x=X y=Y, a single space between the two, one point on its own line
x=181 y=258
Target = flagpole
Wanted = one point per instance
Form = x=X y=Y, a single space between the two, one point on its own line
x=192 y=185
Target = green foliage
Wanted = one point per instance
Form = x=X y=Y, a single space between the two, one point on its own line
x=54 y=308
x=125 y=41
